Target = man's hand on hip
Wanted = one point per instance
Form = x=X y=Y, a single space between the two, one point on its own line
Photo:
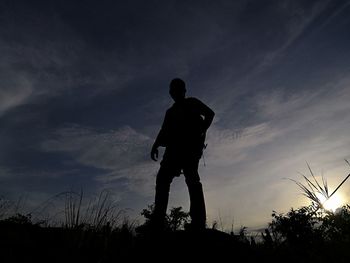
x=154 y=153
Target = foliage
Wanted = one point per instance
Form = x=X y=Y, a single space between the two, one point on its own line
x=304 y=235
x=297 y=227
x=175 y=220
x=303 y=227
x=19 y=219
x=148 y=212
x=336 y=226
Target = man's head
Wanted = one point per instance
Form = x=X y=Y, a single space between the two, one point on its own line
x=177 y=89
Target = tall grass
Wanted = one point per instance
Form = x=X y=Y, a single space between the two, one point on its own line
x=4 y=207
x=99 y=212
x=313 y=189
x=70 y=209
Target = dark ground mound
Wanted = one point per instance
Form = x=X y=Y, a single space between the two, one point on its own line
x=30 y=243
x=202 y=245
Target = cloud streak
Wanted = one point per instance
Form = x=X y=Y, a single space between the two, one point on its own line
x=120 y=154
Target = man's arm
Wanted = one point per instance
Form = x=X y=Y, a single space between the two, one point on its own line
x=208 y=114
x=156 y=144
x=161 y=139
x=208 y=118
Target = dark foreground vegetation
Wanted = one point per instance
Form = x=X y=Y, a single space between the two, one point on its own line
x=302 y=235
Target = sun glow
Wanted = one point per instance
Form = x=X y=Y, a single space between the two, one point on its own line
x=332 y=203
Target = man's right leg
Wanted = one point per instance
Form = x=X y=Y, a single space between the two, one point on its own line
x=164 y=178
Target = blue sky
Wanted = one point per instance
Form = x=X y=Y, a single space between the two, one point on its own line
x=84 y=89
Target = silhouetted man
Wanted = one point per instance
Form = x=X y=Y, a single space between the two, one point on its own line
x=183 y=134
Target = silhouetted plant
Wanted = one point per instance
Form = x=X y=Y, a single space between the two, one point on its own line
x=100 y=212
x=174 y=221
x=19 y=219
x=297 y=227
x=302 y=225
x=313 y=188
x=242 y=234
x=336 y=226
x=72 y=209
x=177 y=218
x=148 y=212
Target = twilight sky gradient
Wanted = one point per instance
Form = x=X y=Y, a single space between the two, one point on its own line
x=84 y=89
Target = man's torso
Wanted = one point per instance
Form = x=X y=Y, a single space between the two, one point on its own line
x=184 y=126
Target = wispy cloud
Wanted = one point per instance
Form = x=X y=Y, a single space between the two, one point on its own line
x=298 y=20
x=14 y=93
x=121 y=153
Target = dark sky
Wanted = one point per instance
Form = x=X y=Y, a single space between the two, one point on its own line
x=84 y=88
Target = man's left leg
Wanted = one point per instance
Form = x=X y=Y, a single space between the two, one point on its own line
x=197 y=206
